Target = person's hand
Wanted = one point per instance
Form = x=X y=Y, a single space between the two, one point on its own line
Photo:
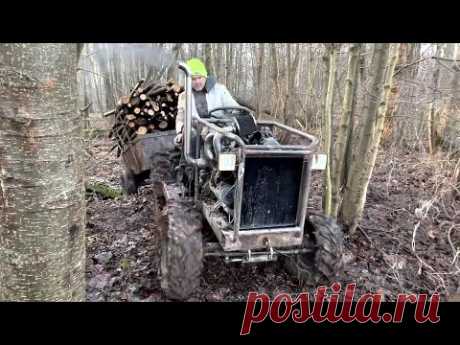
x=178 y=139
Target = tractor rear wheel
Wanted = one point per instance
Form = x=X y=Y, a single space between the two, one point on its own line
x=128 y=183
x=181 y=260
x=327 y=258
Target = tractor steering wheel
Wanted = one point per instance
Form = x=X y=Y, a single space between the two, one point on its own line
x=229 y=111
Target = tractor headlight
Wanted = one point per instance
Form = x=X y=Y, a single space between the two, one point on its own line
x=227 y=162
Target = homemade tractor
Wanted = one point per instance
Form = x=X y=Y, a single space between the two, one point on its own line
x=236 y=188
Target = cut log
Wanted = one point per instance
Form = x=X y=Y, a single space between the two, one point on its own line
x=141 y=122
x=111 y=112
x=151 y=112
x=147 y=87
x=135 y=101
x=143 y=97
x=142 y=130
x=155 y=107
x=133 y=91
x=157 y=91
x=137 y=110
x=131 y=117
x=177 y=89
x=131 y=124
x=163 y=124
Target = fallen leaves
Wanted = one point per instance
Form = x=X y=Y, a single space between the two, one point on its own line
x=123 y=242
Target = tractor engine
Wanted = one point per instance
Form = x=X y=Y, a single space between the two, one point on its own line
x=219 y=185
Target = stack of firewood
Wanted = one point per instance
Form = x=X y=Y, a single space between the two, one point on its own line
x=149 y=107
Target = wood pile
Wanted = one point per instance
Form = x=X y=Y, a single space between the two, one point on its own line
x=149 y=107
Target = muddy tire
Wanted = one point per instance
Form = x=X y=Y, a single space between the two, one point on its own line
x=128 y=183
x=326 y=261
x=180 y=224
x=163 y=167
x=181 y=260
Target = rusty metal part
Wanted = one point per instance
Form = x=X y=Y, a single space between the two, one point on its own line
x=251 y=256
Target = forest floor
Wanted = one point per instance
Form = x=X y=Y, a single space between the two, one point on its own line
x=411 y=203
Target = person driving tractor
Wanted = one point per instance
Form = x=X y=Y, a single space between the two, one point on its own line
x=207 y=94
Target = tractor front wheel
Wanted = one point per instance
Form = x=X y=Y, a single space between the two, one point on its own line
x=327 y=258
x=181 y=260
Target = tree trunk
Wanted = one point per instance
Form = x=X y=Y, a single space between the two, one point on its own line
x=228 y=63
x=344 y=128
x=194 y=50
x=327 y=130
x=239 y=69
x=95 y=80
x=85 y=105
x=445 y=76
x=286 y=111
x=275 y=80
x=352 y=122
x=290 y=92
x=432 y=121
x=453 y=105
x=219 y=62
x=260 y=70
x=172 y=67
x=393 y=102
x=209 y=61
x=108 y=89
x=309 y=89
x=383 y=66
x=42 y=205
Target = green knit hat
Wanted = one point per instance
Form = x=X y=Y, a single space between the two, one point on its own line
x=197 y=67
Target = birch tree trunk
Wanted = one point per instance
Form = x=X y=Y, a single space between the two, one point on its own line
x=383 y=66
x=42 y=205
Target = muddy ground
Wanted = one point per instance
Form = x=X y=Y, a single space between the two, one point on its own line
x=411 y=201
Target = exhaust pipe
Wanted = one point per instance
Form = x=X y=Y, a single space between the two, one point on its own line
x=199 y=162
x=213 y=146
